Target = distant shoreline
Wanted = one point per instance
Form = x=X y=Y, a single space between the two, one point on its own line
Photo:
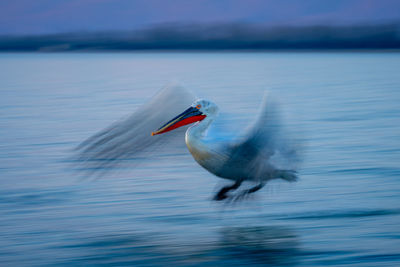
x=221 y=51
x=219 y=38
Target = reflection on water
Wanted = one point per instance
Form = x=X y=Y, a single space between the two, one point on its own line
x=236 y=245
x=264 y=244
x=344 y=210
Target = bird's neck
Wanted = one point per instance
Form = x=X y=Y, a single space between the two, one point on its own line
x=196 y=133
x=201 y=146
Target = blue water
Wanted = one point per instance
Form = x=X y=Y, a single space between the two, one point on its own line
x=344 y=210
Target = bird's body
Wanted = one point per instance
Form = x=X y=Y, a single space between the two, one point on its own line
x=252 y=157
x=216 y=154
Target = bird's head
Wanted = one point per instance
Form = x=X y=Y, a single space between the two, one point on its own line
x=198 y=111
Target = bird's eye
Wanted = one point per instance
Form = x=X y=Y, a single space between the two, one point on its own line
x=198 y=106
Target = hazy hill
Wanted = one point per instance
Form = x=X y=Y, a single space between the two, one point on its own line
x=214 y=37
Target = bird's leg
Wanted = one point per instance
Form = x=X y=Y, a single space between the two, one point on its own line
x=244 y=193
x=222 y=193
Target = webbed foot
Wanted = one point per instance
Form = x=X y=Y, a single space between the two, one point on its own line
x=246 y=193
x=221 y=195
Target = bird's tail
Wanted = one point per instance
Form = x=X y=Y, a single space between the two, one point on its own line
x=287 y=175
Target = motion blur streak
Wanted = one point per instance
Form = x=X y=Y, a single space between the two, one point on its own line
x=344 y=210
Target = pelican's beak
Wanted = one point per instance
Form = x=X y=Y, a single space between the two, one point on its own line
x=190 y=115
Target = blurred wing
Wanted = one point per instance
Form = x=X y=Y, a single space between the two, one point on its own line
x=131 y=138
x=267 y=146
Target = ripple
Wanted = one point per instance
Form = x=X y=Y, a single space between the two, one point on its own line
x=338 y=214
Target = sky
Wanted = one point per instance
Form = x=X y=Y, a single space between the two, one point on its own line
x=58 y=16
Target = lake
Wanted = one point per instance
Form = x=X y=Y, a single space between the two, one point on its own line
x=344 y=210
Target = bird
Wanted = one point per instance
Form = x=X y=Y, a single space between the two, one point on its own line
x=262 y=153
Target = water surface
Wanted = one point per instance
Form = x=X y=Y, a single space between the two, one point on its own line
x=345 y=210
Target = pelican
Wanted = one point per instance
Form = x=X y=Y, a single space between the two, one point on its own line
x=259 y=155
